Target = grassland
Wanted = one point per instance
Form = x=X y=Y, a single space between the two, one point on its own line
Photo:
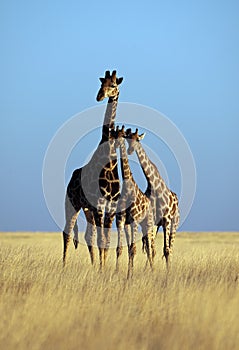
x=194 y=306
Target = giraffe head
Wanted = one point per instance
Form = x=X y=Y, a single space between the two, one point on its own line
x=118 y=135
x=109 y=86
x=133 y=138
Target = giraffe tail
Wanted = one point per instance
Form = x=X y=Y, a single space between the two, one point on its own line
x=75 y=243
x=143 y=245
x=158 y=226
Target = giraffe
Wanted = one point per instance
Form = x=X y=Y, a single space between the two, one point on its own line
x=164 y=202
x=133 y=208
x=95 y=188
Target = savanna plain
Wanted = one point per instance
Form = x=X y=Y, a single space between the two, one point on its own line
x=193 y=306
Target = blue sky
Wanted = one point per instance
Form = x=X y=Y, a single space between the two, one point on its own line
x=181 y=58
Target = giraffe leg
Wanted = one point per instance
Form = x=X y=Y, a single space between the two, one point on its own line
x=71 y=217
x=76 y=236
x=101 y=242
x=120 y=221
x=172 y=236
x=148 y=243
x=127 y=229
x=153 y=245
x=98 y=216
x=173 y=229
x=132 y=253
x=132 y=249
x=66 y=241
x=108 y=222
x=148 y=238
x=90 y=233
x=166 y=248
x=144 y=250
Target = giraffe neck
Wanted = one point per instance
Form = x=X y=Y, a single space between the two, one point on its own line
x=148 y=167
x=125 y=169
x=109 y=120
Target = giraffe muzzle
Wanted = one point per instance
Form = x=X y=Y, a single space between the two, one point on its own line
x=100 y=97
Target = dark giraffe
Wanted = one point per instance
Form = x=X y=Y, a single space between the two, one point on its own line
x=95 y=187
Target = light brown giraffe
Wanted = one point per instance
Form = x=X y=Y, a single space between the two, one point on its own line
x=134 y=209
x=164 y=202
x=95 y=188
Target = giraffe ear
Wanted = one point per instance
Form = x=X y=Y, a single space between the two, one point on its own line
x=119 y=80
x=102 y=80
x=140 y=137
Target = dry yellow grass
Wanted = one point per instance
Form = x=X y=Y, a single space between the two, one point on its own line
x=195 y=306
